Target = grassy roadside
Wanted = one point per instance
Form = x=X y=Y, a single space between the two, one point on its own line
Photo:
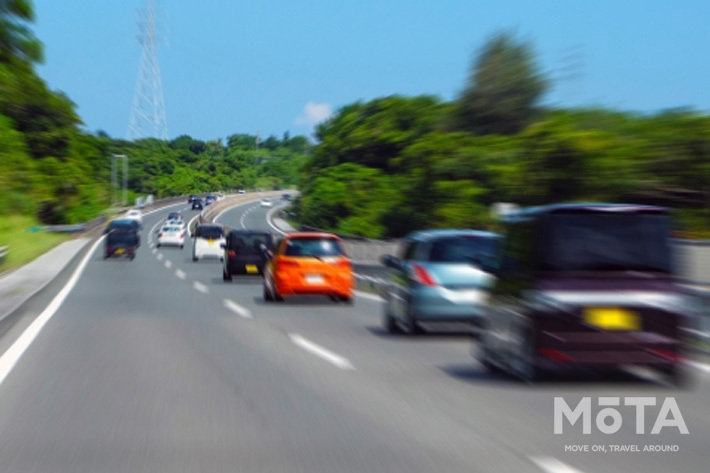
x=25 y=246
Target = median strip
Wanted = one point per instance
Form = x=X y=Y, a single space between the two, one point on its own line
x=320 y=352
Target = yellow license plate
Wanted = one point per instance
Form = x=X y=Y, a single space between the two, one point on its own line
x=251 y=269
x=119 y=251
x=211 y=242
x=612 y=318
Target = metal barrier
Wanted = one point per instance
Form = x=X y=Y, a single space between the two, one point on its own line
x=4 y=251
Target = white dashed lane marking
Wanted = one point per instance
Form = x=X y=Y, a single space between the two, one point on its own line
x=198 y=286
x=160 y=256
x=553 y=465
x=180 y=274
x=320 y=352
x=168 y=264
x=237 y=309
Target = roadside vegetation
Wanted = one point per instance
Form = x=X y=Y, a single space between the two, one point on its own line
x=25 y=245
x=395 y=164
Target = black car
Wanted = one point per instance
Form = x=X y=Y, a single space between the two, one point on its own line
x=586 y=286
x=192 y=198
x=210 y=199
x=246 y=252
x=286 y=197
x=174 y=216
x=125 y=225
x=121 y=242
x=197 y=204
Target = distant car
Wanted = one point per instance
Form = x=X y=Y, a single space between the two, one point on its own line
x=192 y=198
x=266 y=203
x=586 y=286
x=134 y=214
x=286 y=196
x=209 y=200
x=174 y=216
x=171 y=235
x=208 y=241
x=246 y=252
x=277 y=188
x=438 y=278
x=309 y=263
x=197 y=204
x=121 y=242
x=241 y=192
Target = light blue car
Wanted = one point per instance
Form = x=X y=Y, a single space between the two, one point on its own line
x=438 y=278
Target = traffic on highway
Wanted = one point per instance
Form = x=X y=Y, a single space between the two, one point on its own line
x=457 y=362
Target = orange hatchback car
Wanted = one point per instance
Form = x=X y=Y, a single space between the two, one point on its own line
x=309 y=263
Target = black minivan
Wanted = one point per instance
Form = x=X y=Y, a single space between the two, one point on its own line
x=246 y=252
x=586 y=286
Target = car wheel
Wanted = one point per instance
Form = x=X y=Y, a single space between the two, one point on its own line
x=226 y=276
x=194 y=258
x=181 y=247
x=680 y=375
x=411 y=327
x=267 y=295
x=347 y=300
x=388 y=320
x=158 y=245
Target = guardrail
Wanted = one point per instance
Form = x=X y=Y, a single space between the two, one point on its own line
x=4 y=251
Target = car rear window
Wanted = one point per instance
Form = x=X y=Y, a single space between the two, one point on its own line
x=211 y=233
x=250 y=243
x=313 y=247
x=462 y=249
x=171 y=229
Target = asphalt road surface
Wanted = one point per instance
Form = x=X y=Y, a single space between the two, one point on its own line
x=157 y=365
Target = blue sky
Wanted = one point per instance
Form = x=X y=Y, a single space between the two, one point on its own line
x=274 y=65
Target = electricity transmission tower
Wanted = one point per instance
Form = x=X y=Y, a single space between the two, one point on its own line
x=148 y=112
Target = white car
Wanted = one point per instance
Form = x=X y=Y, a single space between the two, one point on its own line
x=134 y=214
x=266 y=203
x=208 y=242
x=179 y=223
x=171 y=235
x=241 y=192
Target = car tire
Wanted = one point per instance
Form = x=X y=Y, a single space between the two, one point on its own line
x=411 y=327
x=347 y=300
x=267 y=295
x=194 y=258
x=158 y=245
x=388 y=320
x=181 y=247
x=226 y=276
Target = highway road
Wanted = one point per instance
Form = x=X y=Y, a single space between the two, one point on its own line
x=157 y=365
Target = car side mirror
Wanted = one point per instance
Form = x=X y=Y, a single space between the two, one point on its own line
x=223 y=245
x=391 y=262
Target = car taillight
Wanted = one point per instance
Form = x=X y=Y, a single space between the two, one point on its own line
x=668 y=355
x=231 y=254
x=554 y=355
x=182 y=235
x=290 y=263
x=343 y=263
x=160 y=234
x=422 y=276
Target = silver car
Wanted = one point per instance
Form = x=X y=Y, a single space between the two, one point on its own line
x=438 y=278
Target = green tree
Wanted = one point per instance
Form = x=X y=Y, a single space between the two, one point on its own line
x=504 y=88
x=16 y=39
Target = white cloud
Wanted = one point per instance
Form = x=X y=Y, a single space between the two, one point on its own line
x=314 y=113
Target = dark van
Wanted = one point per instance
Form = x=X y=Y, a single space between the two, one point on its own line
x=246 y=252
x=585 y=286
x=121 y=242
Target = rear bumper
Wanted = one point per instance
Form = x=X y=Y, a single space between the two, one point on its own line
x=240 y=267
x=562 y=350
x=213 y=253
x=289 y=285
x=438 y=304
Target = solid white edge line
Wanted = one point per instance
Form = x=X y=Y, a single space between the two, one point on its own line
x=9 y=359
x=198 y=286
x=268 y=219
x=367 y=295
x=237 y=309
x=180 y=273
x=699 y=366
x=552 y=465
x=323 y=353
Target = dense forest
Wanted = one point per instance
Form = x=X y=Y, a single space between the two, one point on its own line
x=52 y=169
x=391 y=165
